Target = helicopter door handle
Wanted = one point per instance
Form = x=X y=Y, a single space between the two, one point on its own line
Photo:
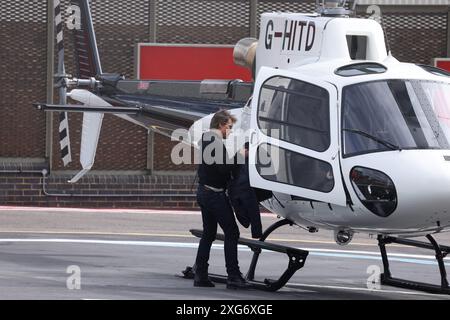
x=251 y=137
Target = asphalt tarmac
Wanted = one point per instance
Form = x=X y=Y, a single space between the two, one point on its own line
x=139 y=254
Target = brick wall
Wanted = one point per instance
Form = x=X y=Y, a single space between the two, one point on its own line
x=162 y=156
x=102 y=191
x=22 y=82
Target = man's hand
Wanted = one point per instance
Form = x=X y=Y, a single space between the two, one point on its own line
x=243 y=152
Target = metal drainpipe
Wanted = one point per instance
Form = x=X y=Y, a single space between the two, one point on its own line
x=44 y=173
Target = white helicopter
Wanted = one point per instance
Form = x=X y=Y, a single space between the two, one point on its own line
x=358 y=142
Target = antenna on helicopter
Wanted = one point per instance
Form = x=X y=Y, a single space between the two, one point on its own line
x=335 y=8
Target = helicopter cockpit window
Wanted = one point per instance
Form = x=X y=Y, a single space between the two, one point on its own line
x=395 y=115
x=296 y=112
x=359 y=69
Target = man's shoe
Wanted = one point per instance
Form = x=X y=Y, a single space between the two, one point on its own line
x=203 y=282
x=237 y=282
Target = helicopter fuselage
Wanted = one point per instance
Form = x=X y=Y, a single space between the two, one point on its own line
x=390 y=122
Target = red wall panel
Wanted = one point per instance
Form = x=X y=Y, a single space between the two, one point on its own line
x=188 y=62
x=443 y=63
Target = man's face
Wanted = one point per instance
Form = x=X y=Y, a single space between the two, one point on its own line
x=225 y=129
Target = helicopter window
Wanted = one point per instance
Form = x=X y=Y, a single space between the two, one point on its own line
x=359 y=69
x=357 y=47
x=395 y=115
x=284 y=166
x=296 y=112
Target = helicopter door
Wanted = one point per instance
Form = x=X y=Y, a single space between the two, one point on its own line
x=294 y=139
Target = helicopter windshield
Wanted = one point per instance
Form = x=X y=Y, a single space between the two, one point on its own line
x=407 y=114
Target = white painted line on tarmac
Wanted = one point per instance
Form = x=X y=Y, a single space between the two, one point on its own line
x=110 y=242
x=365 y=255
x=302 y=285
x=100 y=233
x=177 y=235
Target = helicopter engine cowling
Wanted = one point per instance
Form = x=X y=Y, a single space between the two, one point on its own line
x=244 y=54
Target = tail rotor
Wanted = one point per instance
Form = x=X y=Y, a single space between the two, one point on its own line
x=61 y=83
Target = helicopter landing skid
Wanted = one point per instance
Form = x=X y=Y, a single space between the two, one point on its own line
x=441 y=253
x=297 y=258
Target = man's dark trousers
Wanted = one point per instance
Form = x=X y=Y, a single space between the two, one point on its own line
x=215 y=207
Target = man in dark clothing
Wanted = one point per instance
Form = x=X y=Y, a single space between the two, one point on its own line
x=214 y=174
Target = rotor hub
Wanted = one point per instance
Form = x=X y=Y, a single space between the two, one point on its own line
x=334 y=8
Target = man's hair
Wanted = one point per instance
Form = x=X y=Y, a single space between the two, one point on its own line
x=221 y=117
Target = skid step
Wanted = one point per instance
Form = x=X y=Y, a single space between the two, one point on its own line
x=296 y=260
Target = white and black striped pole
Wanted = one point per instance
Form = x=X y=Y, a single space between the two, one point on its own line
x=64 y=140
